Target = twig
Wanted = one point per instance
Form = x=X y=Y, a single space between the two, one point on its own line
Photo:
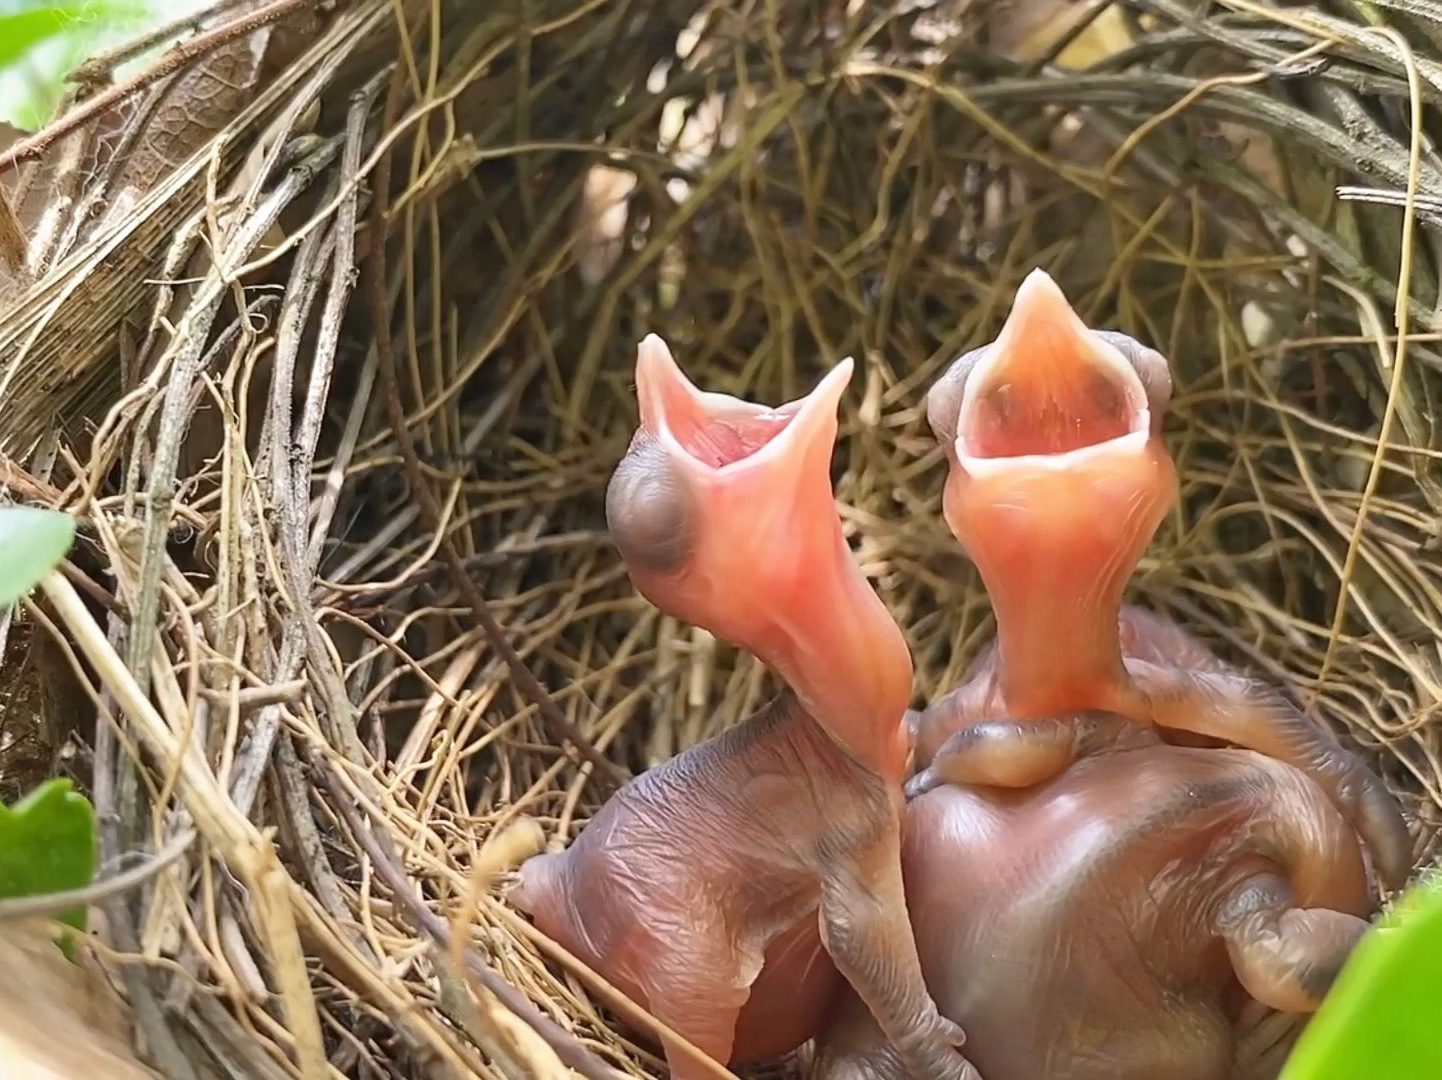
x=342 y=286
x=120 y=919
x=189 y=349
x=1398 y=359
x=235 y=1046
x=97 y=69
x=295 y=799
x=249 y=698
x=26 y=485
x=1427 y=207
x=236 y=839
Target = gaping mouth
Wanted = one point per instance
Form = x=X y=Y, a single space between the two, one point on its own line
x=721 y=434
x=1048 y=394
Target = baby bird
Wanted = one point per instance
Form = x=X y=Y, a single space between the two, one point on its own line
x=1058 y=478
x=725 y=889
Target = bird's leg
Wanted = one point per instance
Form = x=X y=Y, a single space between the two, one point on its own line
x=695 y=995
x=1286 y=957
x=866 y=929
x=1023 y=753
x=1250 y=714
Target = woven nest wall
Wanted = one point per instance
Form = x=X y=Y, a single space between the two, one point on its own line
x=323 y=322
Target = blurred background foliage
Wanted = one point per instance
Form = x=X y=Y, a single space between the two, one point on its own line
x=42 y=40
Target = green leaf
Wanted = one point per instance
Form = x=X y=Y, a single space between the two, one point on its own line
x=32 y=543
x=32 y=82
x=22 y=31
x=47 y=844
x=1380 y=1018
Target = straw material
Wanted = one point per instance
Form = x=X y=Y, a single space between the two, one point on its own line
x=310 y=466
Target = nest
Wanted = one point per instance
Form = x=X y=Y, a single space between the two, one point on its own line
x=322 y=322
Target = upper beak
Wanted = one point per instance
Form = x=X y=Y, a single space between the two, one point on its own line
x=1048 y=393
x=662 y=390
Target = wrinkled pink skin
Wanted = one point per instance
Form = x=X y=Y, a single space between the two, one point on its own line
x=1058 y=479
x=685 y=893
x=734 y=889
x=1097 y=927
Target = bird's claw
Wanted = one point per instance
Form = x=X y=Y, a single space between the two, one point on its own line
x=940 y=1056
x=920 y=784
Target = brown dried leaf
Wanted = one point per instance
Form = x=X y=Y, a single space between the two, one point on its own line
x=12 y=238
x=184 y=114
x=22 y=198
x=101 y=174
x=107 y=166
x=26 y=188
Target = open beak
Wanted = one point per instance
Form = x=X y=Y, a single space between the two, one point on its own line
x=1049 y=395
x=1058 y=477
x=1054 y=432
x=721 y=438
x=723 y=507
